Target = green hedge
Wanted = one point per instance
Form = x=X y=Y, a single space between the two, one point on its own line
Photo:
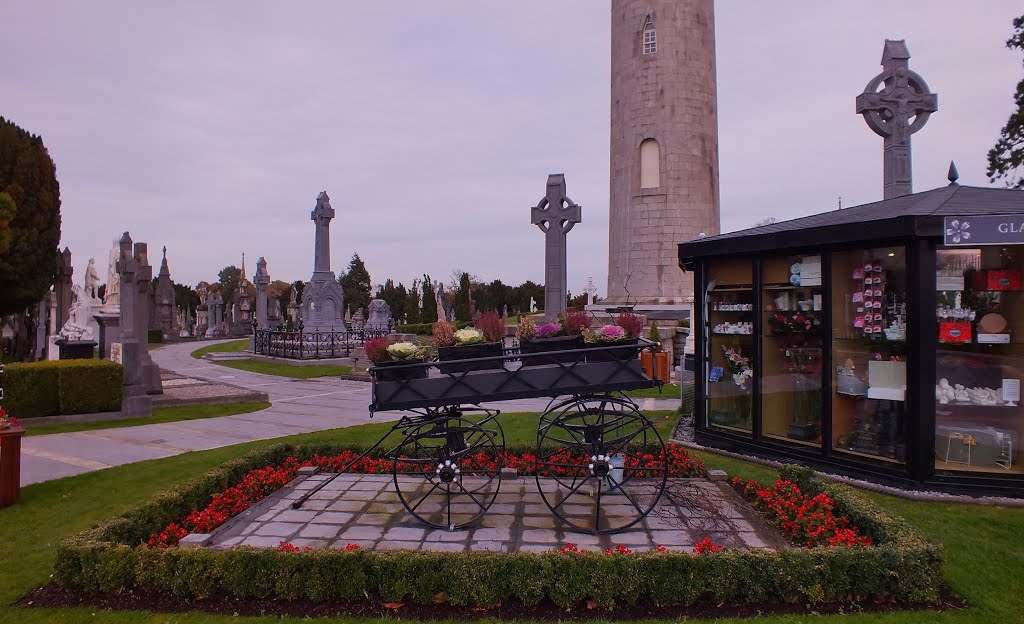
x=109 y=558
x=425 y=329
x=63 y=387
x=155 y=336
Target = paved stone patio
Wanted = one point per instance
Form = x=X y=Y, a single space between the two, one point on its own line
x=365 y=510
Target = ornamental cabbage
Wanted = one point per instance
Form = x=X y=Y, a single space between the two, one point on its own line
x=468 y=336
x=403 y=350
x=548 y=330
x=609 y=333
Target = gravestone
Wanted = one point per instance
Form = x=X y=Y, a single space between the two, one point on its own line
x=108 y=316
x=379 y=316
x=888 y=103
x=262 y=282
x=590 y=290
x=144 y=298
x=202 y=312
x=294 y=309
x=358 y=320
x=92 y=280
x=164 y=309
x=219 y=326
x=555 y=215
x=439 y=300
x=323 y=300
x=76 y=339
x=135 y=402
x=112 y=296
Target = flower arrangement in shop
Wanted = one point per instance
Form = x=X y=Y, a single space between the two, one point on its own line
x=739 y=366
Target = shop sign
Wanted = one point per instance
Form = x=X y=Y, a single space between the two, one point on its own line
x=983 y=230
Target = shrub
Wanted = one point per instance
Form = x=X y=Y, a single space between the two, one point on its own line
x=630 y=322
x=109 y=558
x=63 y=387
x=655 y=336
x=425 y=329
x=377 y=350
x=575 y=322
x=155 y=336
x=527 y=329
x=443 y=334
x=492 y=326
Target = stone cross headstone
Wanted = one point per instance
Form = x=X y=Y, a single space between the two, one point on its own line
x=888 y=104
x=555 y=215
x=590 y=290
x=144 y=298
x=323 y=299
x=135 y=402
x=164 y=317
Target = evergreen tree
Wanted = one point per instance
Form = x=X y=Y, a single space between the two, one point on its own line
x=1006 y=159
x=462 y=296
x=7 y=213
x=412 y=303
x=395 y=297
x=28 y=176
x=356 y=284
x=228 y=279
x=429 y=301
x=185 y=297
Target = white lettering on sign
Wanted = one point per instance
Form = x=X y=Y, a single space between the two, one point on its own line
x=1011 y=228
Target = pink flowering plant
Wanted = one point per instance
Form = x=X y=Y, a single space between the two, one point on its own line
x=608 y=333
x=548 y=330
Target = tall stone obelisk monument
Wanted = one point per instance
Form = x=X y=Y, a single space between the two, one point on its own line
x=664 y=146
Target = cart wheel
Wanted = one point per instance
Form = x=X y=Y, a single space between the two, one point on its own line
x=601 y=464
x=446 y=469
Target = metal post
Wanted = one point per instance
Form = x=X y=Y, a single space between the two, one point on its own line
x=300 y=339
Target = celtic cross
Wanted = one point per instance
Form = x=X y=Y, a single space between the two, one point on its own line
x=896 y=104
x=555 y=215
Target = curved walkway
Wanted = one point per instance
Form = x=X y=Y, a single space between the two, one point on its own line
x=299 y=406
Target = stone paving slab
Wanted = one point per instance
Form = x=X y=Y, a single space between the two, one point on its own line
x=365 y=510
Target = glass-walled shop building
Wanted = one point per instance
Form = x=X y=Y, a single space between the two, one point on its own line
x=883 y=341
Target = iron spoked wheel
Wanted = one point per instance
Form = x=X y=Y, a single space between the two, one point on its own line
x=447 y=468
x=601 y=464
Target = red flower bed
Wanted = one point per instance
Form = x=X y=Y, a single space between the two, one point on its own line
x=806 y=520
x=259 y=483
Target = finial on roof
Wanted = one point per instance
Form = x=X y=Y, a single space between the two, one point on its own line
x=953 y=174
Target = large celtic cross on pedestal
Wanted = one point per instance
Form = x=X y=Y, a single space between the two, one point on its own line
x=889 y=102
x=555 y=215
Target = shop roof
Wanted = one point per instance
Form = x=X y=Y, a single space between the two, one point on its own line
x=918 y=214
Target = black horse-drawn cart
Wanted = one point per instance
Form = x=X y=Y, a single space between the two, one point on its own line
x=600 y=464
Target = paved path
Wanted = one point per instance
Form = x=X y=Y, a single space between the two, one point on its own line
x=299 y=406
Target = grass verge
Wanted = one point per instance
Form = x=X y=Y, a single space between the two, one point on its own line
x=233 y=346
x=160 y=415
x=985 y=562
x=668 y=391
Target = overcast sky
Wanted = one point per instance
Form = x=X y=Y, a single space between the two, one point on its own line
x=211 y=127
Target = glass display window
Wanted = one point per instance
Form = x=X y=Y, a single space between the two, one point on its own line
x=869 y=353
x=791 y=354
x=979 y=359
x=729 y=320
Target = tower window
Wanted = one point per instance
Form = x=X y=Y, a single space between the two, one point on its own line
x=650 y=37
x=650 y=164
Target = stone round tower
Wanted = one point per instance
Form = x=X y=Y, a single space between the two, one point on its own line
x=664 y=145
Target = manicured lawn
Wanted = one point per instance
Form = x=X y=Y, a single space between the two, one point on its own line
x=985 y=556
x=668 y=391
x=233 y=346
x=287 y=370
x=160 y=415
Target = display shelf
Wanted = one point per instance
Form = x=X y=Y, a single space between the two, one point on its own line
x=782 y=438
x=743 y=311
x=726 y=334
x=789 y=287
x=730 y=428
x=731 y=289
x=890 y=460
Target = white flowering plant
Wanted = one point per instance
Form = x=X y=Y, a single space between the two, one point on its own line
x=404 y=350
x=469 y=336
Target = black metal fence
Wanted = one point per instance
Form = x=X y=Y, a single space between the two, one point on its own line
x=312 y=345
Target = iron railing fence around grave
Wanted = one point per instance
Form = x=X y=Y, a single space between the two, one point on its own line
x=300 y=344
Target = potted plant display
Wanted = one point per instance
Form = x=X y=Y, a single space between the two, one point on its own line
x=550 y=338
x=482 y=340
x=655 y=361
x=610 y=336
x=385 y=356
